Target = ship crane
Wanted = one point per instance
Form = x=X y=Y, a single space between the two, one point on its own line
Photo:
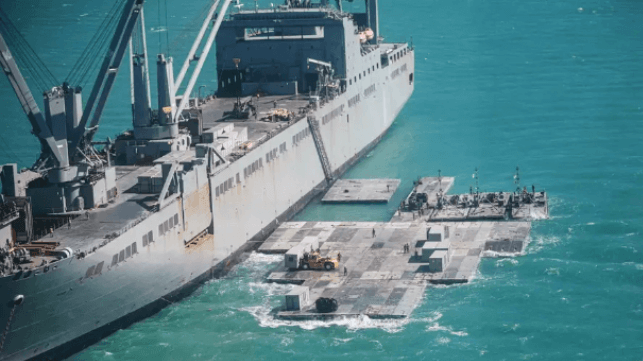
x=65 y=130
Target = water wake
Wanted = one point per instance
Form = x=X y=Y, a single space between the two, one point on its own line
x=266 y=318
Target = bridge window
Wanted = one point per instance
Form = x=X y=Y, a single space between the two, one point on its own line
x=284 y=32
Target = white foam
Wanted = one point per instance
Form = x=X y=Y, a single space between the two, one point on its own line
x=504 y=261
x=494 y=254
x=286 y=341
x=444 y=340
x=540 y=242
x=436 y=316
x=256 y=263
x=536 y=215
x=553 y=271
x=341 y=341
x=637 y=266
x=271 y=289
x=266 y=318
x=255 y=257
x=437 y=327
x=434 y=325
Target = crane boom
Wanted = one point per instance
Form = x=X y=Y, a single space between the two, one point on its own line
x=37 y=120
x=107 y=73
x=195 y=45
x=202 y=57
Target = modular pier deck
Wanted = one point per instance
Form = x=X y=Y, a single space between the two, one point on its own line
x=382 y=280
x=384 y=268
x=361 y=191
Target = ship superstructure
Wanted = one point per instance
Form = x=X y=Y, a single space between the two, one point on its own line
x=93 y=240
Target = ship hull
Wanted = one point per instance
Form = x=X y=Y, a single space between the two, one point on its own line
x=65 y=310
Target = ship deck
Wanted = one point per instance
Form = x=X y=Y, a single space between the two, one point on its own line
x=261 y=126
x=96 y=227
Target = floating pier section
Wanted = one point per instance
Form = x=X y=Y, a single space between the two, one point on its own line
x=382 y=278
x=361 y=191
x=385 y=267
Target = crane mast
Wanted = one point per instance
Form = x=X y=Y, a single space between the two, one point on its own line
x=71 y=169
x=72 y=174
x=41 y=128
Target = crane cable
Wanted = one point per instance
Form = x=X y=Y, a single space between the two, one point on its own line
x=35 y=67
x=99 y=47
x=86 y=56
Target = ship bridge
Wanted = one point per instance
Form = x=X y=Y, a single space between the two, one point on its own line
x=269 y=51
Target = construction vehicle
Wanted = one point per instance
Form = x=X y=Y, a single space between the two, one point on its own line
x=314 y=261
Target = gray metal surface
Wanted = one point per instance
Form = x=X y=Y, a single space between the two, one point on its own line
x=361 y=191
x=385 y=267
x=382 y=280
x=490 y=206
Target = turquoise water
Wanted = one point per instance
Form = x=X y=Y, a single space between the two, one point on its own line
x=555 y=87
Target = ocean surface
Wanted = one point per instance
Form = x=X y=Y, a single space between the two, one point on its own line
x=555 y=87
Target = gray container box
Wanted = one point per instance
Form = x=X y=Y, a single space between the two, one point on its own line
x=298 y=298
x=438 y=261
x=431 y=247
x=437 y=233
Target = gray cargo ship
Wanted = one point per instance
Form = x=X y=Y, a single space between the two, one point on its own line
x=100 y=234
